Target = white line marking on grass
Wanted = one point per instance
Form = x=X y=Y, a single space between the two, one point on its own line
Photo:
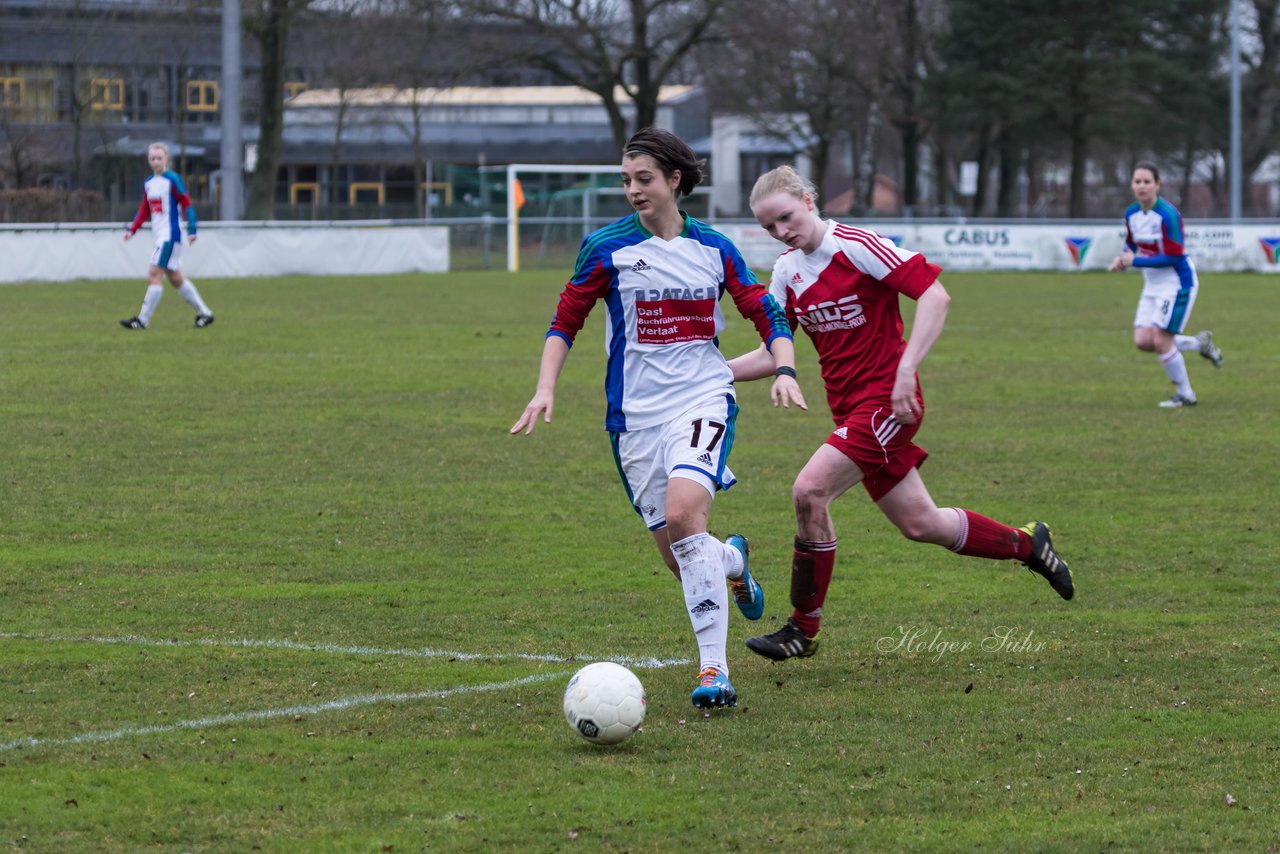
x=425 y=652
x=264 y=714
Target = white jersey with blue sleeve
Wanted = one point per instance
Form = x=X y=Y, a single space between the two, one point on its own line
x=164 y=198
x=662 y=299
x=1157 y=241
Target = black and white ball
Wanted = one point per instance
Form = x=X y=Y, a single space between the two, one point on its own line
x=604 y=702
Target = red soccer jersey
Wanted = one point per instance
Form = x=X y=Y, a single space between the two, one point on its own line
x=845 y=296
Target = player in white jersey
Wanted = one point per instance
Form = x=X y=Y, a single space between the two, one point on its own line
x=164 y=198
x=1154 y=244
x=671 y=410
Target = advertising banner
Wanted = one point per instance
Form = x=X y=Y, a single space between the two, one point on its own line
x=53 y=254
x=1062 y=246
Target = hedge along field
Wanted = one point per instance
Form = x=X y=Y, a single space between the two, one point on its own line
x=287 y=584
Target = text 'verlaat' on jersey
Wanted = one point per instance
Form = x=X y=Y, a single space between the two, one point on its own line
x=674 y=321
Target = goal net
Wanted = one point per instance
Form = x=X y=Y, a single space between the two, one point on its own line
x=551 y=207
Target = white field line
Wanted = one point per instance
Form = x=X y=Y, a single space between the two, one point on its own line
x=313 y=708
x=291 y=711
x=340 y=649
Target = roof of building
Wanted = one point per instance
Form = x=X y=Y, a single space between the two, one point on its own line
x=497 y=96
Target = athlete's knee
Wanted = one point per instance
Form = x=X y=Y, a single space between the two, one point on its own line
x=915 y=529
x=809 y=497
x=923 y=527
x=684 y=522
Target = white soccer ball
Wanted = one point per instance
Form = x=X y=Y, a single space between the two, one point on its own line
x=604 y=702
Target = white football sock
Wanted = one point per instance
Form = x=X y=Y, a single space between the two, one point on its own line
x=1185 y=343
x=732 y=560
x=189 y=293
x=1176 y=367
x=149 y=303
x=705 y=596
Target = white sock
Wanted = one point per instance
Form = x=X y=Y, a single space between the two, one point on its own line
x=732 y=560
x=189 y=293
x=149 y=303
x=1185 y=343
x=1176 y=367
x=705 y=596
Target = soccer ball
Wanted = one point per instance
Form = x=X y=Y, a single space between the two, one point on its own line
x=604 y=702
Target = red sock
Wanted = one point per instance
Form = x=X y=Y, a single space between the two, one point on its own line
x=983 y=537
x=811 y=567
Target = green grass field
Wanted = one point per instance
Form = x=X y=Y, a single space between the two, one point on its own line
x=286 y=584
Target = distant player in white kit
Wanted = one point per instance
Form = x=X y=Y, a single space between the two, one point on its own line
x=164 y=198
x=1154 y=244
x=671 y=410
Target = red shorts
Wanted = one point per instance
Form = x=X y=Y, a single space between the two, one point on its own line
x=879 y=445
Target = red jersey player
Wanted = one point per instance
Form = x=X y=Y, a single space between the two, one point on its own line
x=841 y=285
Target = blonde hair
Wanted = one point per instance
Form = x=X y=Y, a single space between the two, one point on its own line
x=163 y=146
x=783 y=179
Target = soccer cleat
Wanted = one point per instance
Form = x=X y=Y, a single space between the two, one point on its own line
x=1176 y=401
x=133 y=323
x=787 y=642
x=203 y=320
x=714 y=690
x=1208 y=349
x=1043 y=560
x=745 y=590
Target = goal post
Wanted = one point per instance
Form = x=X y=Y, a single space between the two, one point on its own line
x=515 y=196
x=540 y=188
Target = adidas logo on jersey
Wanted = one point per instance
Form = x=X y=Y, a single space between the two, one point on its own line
x=842 y=432
x=706 y=606
x=640 y=267
x=797 y=279
x=705 y=459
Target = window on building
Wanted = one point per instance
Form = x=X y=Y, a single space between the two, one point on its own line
x=202 y=96
x=304 y=193
x=106 y=94
x=367 y=193
x=10 y=92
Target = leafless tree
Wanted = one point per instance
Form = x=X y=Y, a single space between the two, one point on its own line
x=353 y=39
x=903 y=35
x=86 y=31
x=808 y=65
x=604 y=46
x=21 y=145
x=1261 y=102
x=269 y=22
x=434 y=50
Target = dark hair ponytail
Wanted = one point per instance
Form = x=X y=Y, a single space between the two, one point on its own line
x=671 y=153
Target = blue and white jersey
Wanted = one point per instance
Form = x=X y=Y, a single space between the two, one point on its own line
x=164 y=197
x=663 y=303
x=1156 y=238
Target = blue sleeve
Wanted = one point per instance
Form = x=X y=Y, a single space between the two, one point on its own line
x=180 y=197
x=1175 y=261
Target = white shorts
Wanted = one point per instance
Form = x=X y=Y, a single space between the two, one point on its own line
x=1166 y=307
x=167 y=255
x=694 y=445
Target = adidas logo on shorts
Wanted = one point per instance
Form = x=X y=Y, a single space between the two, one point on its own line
x=705 y=459
x=843 y=432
